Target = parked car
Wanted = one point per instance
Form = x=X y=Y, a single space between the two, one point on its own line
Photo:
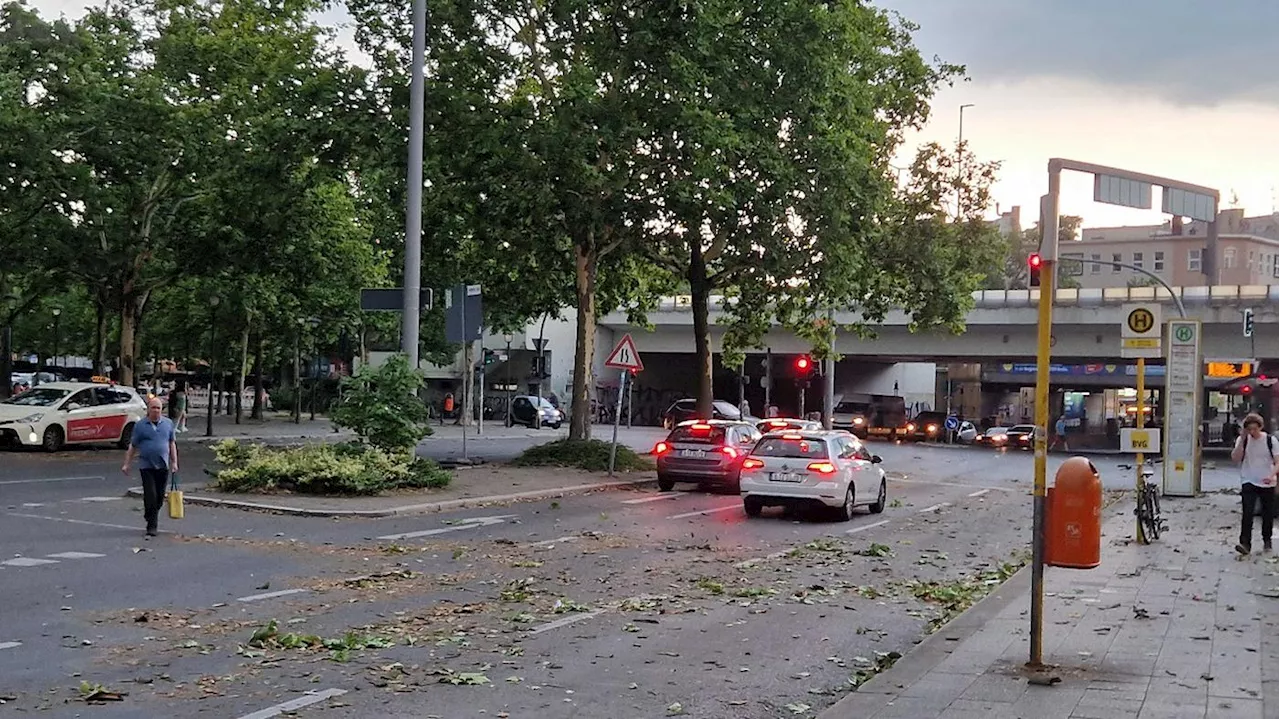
x=1021 y=436
x=708 y=452
x=994 y=437
x=57 y=413
x=927 y=426
x=523 y=412
x=966 y=433
x=827 y=469
x=687 y=409
x=779 y=424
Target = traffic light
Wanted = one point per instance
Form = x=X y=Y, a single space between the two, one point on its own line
x=1033 y=269
x=490 y=357
x=804 y=366
x=1248 y=322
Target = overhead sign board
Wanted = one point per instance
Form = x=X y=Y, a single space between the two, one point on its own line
x=391 y=299
x=1182 y=407
x=1188 y=204
x=1115 y=190
x=1140 y=331
x=624 y=356
x=464 y=314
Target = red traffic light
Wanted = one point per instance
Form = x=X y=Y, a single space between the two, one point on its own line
x=1246 y=389
x=803 y=363
x=1033 y=260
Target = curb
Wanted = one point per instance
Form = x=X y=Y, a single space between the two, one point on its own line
x=421 y=508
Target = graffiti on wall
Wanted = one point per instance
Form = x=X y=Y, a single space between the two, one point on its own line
x=644 y=405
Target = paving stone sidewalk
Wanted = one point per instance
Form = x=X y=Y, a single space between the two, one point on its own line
x=1179 y=629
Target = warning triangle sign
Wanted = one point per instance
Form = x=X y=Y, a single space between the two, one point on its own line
x=625 y=356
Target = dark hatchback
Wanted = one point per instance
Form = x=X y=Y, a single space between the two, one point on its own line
x=927 y=427
x=709 y=453
x=687 y=409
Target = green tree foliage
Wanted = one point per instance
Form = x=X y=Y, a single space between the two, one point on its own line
x=381 y=405
x=1013 y=271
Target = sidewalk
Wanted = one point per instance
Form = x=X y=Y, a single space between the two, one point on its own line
x=1178 y=629
x=471 y=487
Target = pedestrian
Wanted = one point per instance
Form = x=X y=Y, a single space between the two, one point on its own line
x=180 y=406
x=1255 y=450
x=1060 y=434
x=154 y=445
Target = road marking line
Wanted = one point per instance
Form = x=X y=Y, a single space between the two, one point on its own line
x=10 y=645
x=295 y=704
x=48 y=479
x=468 y=523
x=75 y=555
x=865 y=527
x=934 y=508
x=271 y=595
x=549 y=542
x=78 y=521
x=32 y=505
x=712 y=510
x=28 y=562
x=979 y=493
x=566 y=621
x=101 y=499
x=656 y=498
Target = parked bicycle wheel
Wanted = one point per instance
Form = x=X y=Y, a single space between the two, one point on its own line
x=1150 y=513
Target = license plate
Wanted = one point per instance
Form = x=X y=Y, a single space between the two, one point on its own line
x=879 y=430
x=693 y=453
x=784 y=477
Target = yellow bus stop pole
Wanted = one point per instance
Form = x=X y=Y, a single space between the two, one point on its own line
x=1139 y=423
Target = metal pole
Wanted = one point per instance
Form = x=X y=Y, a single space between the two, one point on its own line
x=508 y=393
x=413 y=210
x=631 y=396
x=57 y=316
x=768 y=380
x=1139 y=422
x=297 y=376
x=802 y=385
x=213 y=368
x=617 y=417
x=466 y=391
x=1177 y=299
x=829 y=375
x=1044 y=331
x=480 y=413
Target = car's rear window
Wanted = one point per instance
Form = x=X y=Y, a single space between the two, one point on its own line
x=697 y=435
x=794 y=448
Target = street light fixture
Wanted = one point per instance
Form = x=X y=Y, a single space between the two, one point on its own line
x=213 y=362
x=57 y=314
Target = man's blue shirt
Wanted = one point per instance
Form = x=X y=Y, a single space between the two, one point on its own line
x=152 y=442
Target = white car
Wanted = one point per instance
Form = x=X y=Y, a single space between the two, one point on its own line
x=967 y=433
x=53 y=414
x=830 y=469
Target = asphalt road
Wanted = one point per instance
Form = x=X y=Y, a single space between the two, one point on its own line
x=616 y=603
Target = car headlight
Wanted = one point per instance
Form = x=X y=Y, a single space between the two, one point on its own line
x=857 y=420
x=911 y=427
x=31 y=418
x=933 y=428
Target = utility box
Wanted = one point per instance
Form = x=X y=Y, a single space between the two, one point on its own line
x=1073 y=526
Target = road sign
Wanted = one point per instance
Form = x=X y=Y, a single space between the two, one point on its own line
x=625 y=356
x=1140 y=331
x=1143 y=440
x=1184 y=203
x=952 y=423
x=392 y=299
x=1184 y=375
x=463 y=318
x=1115 y=190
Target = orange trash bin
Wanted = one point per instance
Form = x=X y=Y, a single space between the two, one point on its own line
x=1073 y=532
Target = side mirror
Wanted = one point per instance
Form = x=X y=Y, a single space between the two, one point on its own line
x=876 y=459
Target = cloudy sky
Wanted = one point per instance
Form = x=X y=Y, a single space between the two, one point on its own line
x=1186 y=89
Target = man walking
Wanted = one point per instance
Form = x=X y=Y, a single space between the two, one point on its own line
x=1256 y=453
x=157 y=452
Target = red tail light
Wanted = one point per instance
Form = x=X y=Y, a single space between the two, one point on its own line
x=752 y=463
x=729 y=451
x=661 y=448
x=822 y=467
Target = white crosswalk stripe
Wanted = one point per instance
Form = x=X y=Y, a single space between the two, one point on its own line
x=75 y=555
x=27 y=562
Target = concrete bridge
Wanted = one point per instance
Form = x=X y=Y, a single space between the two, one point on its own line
x=1002 y=325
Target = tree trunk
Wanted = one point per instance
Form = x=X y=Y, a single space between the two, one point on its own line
x=128 y=338
x=100 y=337
x=257 y=377
x=700 y=293
x=584 y=275
x=139 y=312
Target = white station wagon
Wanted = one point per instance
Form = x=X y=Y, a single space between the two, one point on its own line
x=828 y=469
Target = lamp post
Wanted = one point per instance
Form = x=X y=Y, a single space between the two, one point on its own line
x=57 y=315
x=297 y=373
x=213 y=363
x=508 y=337
x=313 y=323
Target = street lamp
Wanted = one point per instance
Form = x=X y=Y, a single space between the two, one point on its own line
x=57 y=314
x=508 y=337
x=213 y=363
x=313 y=322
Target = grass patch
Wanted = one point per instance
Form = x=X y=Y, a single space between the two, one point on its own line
x=334 y=469
x=590 y=454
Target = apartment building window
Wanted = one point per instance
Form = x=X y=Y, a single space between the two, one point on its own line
x=1193 y=260
x=1116 y=257
x=1137 y=260
x=1275 y=265
x=1229 y=258
x=1094 y=267
x=1157 y=262
x=1251 y=258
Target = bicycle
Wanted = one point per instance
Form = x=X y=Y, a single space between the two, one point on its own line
x=1150 y=523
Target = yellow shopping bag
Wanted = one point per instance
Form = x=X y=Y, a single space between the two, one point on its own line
x=175 y=499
